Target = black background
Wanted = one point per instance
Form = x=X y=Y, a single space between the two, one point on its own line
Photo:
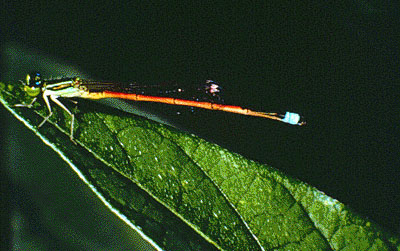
x=336 y=64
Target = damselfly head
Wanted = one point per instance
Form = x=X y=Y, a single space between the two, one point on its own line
x=33 y=84
x=34 y=79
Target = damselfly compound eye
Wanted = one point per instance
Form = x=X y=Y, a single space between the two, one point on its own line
x=34 y=80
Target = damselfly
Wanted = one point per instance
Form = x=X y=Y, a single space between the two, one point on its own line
x=88 y=89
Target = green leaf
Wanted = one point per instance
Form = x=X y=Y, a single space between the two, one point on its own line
x=184 y=193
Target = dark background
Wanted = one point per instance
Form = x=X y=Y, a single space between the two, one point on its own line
x=336 y=64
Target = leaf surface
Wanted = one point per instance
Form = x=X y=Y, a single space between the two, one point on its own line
x=182 y=192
